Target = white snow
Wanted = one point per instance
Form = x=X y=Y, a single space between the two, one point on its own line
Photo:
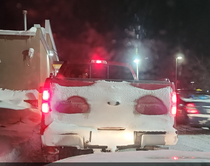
x=15 y=99
x=190 y=148
x=102 y=92
x=30 y=32
x=105 y=115
x=17 y=119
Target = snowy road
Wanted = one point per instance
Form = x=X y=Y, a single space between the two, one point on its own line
x=20 y=141
x=192 y=139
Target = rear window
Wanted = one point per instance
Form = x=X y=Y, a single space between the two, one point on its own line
x=120 y=72
x=98 y=71
x=74 y=71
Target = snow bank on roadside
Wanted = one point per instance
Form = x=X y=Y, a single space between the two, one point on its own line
x=15 y=99
x=10 y=156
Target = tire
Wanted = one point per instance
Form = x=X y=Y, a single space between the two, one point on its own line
x=50 y=154
x=182 y=119
x=65 y=152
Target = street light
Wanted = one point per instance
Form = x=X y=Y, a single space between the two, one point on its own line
x=137 y=68
x=177 y=58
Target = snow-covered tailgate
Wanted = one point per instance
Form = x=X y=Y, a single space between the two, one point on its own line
x=107 y=113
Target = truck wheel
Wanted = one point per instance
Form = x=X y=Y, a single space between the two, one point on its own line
x=50 y=154
x=69 y=151
x=66 y=151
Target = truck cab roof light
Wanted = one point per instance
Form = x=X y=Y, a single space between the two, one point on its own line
x=99 y=61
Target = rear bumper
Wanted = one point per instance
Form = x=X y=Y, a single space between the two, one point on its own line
x=112 y=141
x=199 y=120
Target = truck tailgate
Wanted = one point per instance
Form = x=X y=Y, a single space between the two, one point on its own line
x=112 y=105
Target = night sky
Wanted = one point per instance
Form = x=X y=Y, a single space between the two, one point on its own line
x=109 y=29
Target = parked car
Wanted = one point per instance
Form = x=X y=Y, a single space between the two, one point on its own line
x=193 y=108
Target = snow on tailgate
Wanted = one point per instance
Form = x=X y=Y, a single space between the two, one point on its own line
x=102 y=114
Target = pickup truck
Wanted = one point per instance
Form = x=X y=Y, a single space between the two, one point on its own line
x=101 y=106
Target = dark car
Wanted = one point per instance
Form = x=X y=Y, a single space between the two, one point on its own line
x=193 y=108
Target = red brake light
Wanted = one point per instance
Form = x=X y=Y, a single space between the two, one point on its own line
x=191 y=109
x=45 y=106
x=174 y=99
x=173 y=110
x=190 y=105
x=46 y=95
x=173 y=103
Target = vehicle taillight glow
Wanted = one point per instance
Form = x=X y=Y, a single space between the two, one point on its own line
x=173 y=103
x=99 y=61
x=191 y=109
x=46 y=95
x=175 y=158
x=174 y=99
x=45 y=108
x=190 y=105
x=173 y=110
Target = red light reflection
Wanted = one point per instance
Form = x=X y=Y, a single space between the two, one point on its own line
x=98 y=61
x=175 y=158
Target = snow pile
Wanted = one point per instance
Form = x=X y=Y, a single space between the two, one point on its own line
x=18 y=121
x=30 y=32
x=15 y=99
x=105 y=115
x=99 y=97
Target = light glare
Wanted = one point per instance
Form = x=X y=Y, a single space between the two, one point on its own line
x=136 y=61
x=175 y=158
x=173 y=110
x=46 y=95
x=129 y=136
x=45 y=108
x=174 y=100
x=98 y=61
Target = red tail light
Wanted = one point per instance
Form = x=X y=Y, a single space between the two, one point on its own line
x=45 y=106
x=191 y=109
x=46 y=95
x=173 y=103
